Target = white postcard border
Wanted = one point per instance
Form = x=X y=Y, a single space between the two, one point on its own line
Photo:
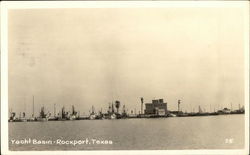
x=111 y=4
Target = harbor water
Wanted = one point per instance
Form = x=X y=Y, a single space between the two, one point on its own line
x=207 y=132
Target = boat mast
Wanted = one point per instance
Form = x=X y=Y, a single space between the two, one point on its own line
x=10 y=111
x=179 y=102
x=141 y=105
x=200 y=111
x=93 y=109
x=112 y=107
x=33 y=107
x=54 y=110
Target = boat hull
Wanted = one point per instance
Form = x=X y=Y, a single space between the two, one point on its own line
x=42 y=119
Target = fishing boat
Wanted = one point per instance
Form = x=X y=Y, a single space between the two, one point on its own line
x=113 y=116
x=13 y=117
x=64 y=115
x=171 y=115
x=21 y=118
x=100 y=115
x=92 y=115
x=42 y=117
x=73 y=114
x=111 y=113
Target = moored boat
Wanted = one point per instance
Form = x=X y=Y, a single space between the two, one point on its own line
x=42 y=117
x=92 y=115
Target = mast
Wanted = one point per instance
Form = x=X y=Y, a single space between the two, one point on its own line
x=54 y=110
x=179 y=102
x=141 y=105
x=112 y=108
x=10 y=111
x=123 y=109
x=109 y=110
x=200 y=111
x=63 y=112
x=93 y=109
x=33 y=106
x=73 y=110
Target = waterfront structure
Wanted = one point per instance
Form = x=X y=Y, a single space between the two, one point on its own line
x=157 y=107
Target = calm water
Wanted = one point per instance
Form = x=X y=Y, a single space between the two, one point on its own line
x=211 y=132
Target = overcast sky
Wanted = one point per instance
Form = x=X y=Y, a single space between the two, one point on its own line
x=86 y=57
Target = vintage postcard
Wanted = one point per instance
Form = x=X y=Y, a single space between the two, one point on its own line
x=125 y=77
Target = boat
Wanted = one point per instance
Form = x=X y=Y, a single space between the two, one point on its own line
x=42 y=117
x=113 y=116
x=12 y=117
x=172 y=115
x=92 y=115
x=111 y=113
x=73 y=114
x=23 y=118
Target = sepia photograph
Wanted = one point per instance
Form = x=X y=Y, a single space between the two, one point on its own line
x=125 y=77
